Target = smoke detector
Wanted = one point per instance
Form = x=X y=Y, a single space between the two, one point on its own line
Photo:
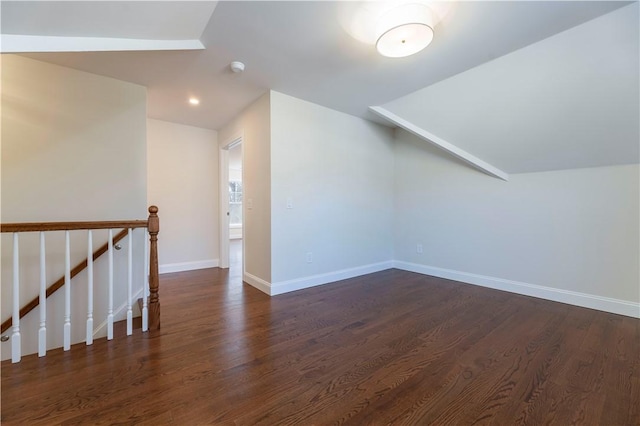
x=237 y=66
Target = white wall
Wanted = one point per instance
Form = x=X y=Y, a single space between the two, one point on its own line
x=337 y=170
x=568 y=231
x=183 y=183
x=73 y=148
x=67 y=136
x=254 y=124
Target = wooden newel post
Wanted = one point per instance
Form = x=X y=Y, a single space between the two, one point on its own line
x=154 y=282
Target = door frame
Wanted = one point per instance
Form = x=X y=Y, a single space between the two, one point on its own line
x=224 y=198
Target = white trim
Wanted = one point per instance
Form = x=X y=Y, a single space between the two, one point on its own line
x=16 y=43
x=329 y=277
x=187 y=266
x=235 y=233
x=235 y=141
x=256 y=282
x=441 y=143
x=606 y=304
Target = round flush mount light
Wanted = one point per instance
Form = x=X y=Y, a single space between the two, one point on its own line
x=405 y=30
x=194 y=101
x=368 y=21
x=404 y=40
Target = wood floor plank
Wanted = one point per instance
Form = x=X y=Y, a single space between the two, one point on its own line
x=387 y=348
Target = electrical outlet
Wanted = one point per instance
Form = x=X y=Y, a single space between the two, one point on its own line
x=309 y=257
x=419 y=248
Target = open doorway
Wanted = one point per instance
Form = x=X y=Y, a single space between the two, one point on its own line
x=231 y=209
x=235 y=210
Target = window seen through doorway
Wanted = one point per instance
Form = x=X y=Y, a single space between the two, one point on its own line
x=235 y=202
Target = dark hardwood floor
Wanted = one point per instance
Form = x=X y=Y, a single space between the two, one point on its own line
x=387 y=348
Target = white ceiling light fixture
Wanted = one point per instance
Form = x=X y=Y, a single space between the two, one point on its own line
x=405 y=30
x=194 y=101
x=366 y=21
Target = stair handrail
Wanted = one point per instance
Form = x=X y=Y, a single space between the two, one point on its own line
x=71 y=226
x=153 y=227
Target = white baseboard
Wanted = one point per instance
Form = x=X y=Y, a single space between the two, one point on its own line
x=256 y=282
x=601 y=303
x=315 y=280
x=273 y=289
x=606 y=304
x=188 y=266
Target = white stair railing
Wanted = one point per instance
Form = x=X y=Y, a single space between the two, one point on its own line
x=89 y=337
x=16 y=351
x=42 y=331
x=150 y=228
x=67 y=292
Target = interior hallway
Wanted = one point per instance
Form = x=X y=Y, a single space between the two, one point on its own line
x=235 y=261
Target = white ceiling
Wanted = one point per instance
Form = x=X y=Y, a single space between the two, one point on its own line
x=569 y=101
x=162 y=20
x=301 y=49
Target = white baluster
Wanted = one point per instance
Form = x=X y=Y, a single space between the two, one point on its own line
x=16 y=352
x=90 y=287
x=42 y=332
x=130 y=284
x=67 y=293
x=110 y=306
x=145 y=285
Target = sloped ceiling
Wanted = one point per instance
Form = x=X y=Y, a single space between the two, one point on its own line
x=509 y=114
x=569 y=101
x=163 y=20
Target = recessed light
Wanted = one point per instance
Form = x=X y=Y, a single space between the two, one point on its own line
x=194 y=101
